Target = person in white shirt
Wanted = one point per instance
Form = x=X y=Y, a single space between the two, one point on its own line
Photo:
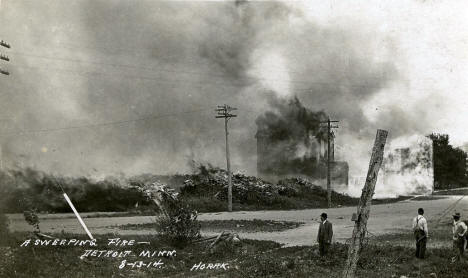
x=459 y=233
x=420 y=233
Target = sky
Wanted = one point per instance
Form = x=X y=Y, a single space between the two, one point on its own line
x=114 y=87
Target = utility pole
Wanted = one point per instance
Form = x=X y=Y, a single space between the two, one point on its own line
x=4 y=58
x=363 y=209
x=329 y=135
x=224 y=111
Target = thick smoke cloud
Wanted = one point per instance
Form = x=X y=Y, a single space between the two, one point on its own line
x=183 y=59
x=290 y=120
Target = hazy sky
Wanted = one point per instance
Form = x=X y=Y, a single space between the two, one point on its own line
x=103 y=87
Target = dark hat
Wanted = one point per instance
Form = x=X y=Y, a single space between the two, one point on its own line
x=324 y=215
x=457 y=214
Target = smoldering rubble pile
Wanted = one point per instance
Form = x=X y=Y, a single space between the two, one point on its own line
x=213 y=182
x=205 y=190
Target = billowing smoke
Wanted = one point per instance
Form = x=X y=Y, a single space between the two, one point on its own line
x=170 y=64
x=292 y=124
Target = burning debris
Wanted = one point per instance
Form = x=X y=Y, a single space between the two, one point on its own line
x=295 y=187
x=212 y=182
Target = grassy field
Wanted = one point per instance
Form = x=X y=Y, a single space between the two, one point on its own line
x=208 y=204
x=381 y=258
x=239 y=226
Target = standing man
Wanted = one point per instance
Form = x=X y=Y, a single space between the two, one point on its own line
x=420 y=233
x=459 y=232
x=325 y=234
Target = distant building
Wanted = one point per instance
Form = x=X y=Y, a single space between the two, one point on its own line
x=278 y=159
x=292 y=143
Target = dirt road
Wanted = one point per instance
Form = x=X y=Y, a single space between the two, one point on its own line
x=386 y=218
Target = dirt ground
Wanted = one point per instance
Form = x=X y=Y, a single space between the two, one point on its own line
x=385 y=219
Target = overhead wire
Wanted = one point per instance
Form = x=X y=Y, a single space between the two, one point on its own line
x=111 y=123
x=131 y=53
x=95 y=74
x=153 y=69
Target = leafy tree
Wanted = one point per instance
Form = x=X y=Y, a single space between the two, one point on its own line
x=450 y=169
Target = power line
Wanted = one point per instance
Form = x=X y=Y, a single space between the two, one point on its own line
x=195 y=62
x=119 y=65
x=95 y=74
x=47 y=130
x=178 y=81
x=254 y=79
x=109 y=51
x=156 y=69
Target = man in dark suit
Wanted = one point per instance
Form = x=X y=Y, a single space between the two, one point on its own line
x=325 y=234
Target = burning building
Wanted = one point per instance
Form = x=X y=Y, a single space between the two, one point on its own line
x=410 y=168
x=291 y=142
x=407 y=169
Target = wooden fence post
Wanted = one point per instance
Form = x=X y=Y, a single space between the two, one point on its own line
x=363 y=210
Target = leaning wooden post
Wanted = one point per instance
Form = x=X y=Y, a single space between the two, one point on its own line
x=363 y=209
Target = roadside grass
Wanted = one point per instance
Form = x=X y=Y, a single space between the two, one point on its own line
x=99 y=214
x=439 y=237
x=211 y=204
x=390 y=200
x=239 y=226
x=428 y=198
x=148 y=212
x=250 y=258
x=307 y=201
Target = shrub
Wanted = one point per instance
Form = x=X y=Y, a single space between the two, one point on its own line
x=32 y=219
x=177 y=222
x=179 y=227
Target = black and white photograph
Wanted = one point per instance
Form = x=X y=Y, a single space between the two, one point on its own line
x=222 y=138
